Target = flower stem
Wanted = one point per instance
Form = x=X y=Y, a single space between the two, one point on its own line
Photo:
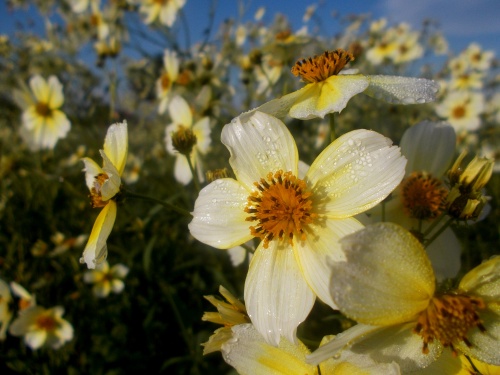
x=167 y=205
x=441 y=230
x=193 y=172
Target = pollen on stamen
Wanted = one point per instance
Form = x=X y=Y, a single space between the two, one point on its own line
x=320 y=67
x=448 y=319
x=281 y=206
x=423 y=196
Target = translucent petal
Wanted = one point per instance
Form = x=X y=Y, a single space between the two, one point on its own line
x=249 y=354
x=483 y=280
x=277 y=296
x=261 y=145
x=387 y=278
x=55 y=97
x=91 y=169
x=320 y=248
x=116 y=145
x=429 y=146
x=219 y=216
x=201 y=130
x=95 y=251
x=112 y=185
x=355 y=172
x=180 y=112
x=402 y=90
x=445 y=255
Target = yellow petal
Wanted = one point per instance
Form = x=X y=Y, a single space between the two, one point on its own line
x=95 y=251
x=387 y=278
x=484 y=280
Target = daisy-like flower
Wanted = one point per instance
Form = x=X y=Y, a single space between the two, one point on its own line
x=106 y=279
x=388 y=286
x=163 y=10
x=421 y=196
x=299 y=220
x=182 y=118
x=165 y=82
x=478 y=58
x=462 y=109
x=43 y=122
x=26 y=299
x=244 y=348
x=104 y=185
x=327 y=91
x=41 y=326
x=5 y=309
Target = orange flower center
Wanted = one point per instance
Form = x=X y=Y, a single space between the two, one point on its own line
x=320 y=67
x=448 y=319
x=46 y=322
x=423 y=196
x=281 y=206
x=43 y=109
x=95 y=192
x=458 y=112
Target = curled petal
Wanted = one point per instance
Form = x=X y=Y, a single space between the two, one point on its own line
x=402 y=90
x=96 y=250
x=116 y=145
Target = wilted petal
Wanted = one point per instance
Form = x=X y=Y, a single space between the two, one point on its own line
x=258 y=146
x=319 y=250
x=116 y=145
x=277 y=297
x=95 y=251
x=402 y=90
x=387 y=278
x=355 y=172
x=219 y=216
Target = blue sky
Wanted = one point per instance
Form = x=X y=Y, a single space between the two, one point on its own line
x=462 y=21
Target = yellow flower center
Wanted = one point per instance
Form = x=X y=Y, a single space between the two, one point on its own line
x=448 y=319
x=43 y=109
x=165 y=81
x=320 y=67
x=281 y=206
x=458 y=112
x=95 y=192
x=46 y=322
x=423 y=196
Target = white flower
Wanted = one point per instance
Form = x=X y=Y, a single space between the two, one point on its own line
x=43 y=123
x=298 y=220
x=462 y=109
x=106 y=279
x=182 y=117
x=41 y=326
x=104 y=184
x=165 y=82
x=163 y=10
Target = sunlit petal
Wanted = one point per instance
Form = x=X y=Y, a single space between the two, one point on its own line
x=402 y=90
x=116 y=145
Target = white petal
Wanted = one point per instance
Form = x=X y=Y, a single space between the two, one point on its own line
x=261 y=145
x=171 y=63
x=319 y=250
x=484 y=280
x=202 y=132
x=182 y=171
x=117 y=286
x=277 y=296
x=119 y=270
x=402 y=90
x=40 y=88
x=355 y=172
x=429 y=146
x=249 y=354
x=445 y=254
x=35 y=339
x=111 y=186
x=95 y=251
x=56 y=97
x=387 y=278
x=219 y=216
x=116 y=145
x=180 y=112
x=92 y=169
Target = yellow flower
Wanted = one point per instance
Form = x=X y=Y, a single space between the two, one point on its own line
x=106 y=279
x=41 y=326
x=387 y=285
x=104 y=185
x=299 y=220
x=43 y=123
x=327 y=91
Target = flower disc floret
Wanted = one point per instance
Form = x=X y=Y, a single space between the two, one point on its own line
x=320 y=67
x=282 y=206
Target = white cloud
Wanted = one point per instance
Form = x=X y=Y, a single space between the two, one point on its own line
x=456 y=17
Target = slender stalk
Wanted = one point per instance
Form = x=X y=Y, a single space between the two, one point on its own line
x=167 y=205
x=441 y=230
x=193 y=172
x=433 y=226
